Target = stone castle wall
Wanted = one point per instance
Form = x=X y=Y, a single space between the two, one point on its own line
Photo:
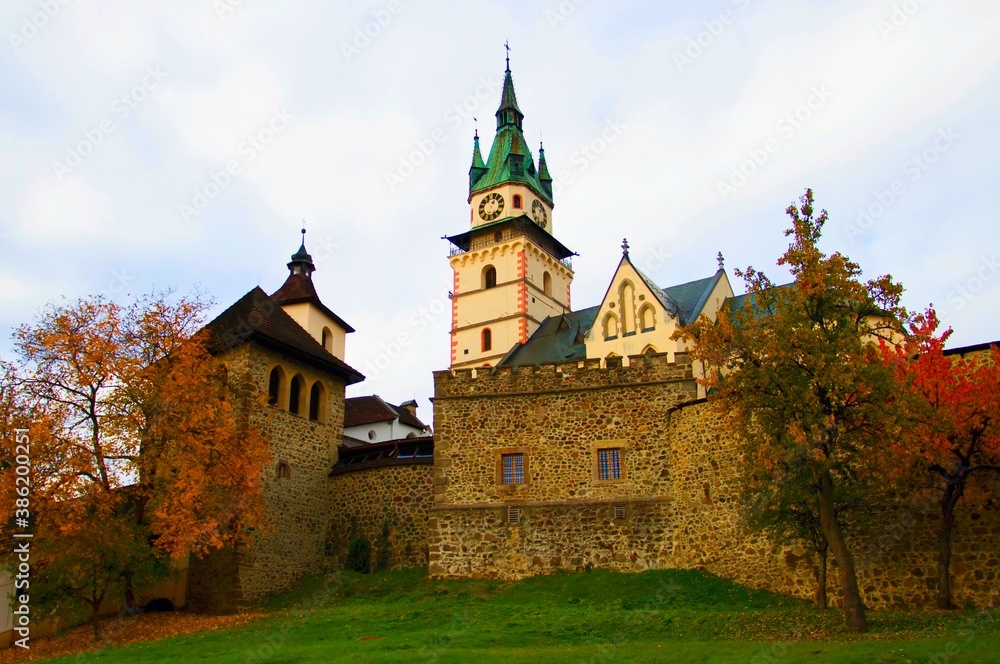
x=369 y=502
x=679 y=495
x=297 y=506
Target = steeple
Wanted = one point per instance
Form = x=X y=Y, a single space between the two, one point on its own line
x=508 y=113
x=302 y=262
x=478 y=168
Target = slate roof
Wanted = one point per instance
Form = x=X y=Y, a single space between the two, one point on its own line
x=371 y=409
x=558 y=338
x=299 y=288
x=257 y=318
x=561 y=338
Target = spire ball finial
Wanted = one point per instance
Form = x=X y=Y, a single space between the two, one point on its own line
x=624 y=246
x=722 y=263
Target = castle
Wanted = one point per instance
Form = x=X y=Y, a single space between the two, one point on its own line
x=563 y=439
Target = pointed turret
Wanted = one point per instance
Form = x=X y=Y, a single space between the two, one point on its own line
x=508 y=113
x=543 y=171
x=478 y=168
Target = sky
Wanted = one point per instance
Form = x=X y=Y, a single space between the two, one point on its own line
x=180 y=145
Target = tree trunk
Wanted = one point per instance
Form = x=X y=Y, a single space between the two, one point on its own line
x=821 y=600
x=95 y=618
x=854 y=609
x=948 y=501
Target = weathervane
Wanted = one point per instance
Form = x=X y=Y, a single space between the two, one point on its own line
x=506 y=45
x=475 y=120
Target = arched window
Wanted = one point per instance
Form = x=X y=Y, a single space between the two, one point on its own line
x=327 y=339
x=296 y=392
x=627 y=293
x=275 y=386
x=487 y=340
x=283 y=471
x=613 y=360
x=649 y=350
x=317 y=402
x=489 y=277
x=547 y=284
x=610 y=326
x=517 y=201
x=646 y=318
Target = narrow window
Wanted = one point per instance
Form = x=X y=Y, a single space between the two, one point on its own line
x=274 y=386
x=646 y=318
x=489 y=277
x=609 y=464
x=487 y=340
x=610 y=326
x=517 y=201
x=513 y=468
x=327 y=339
x=284 y=471
x=295 y=394
x=547 y=284
x=316 y=402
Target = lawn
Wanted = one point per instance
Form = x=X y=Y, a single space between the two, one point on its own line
x=597 y=616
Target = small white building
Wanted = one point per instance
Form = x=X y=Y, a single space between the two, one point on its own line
x=370 y=419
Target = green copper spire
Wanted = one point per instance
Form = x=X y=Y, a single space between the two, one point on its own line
x=543 y=170
x=478 y=168
x=510 y=157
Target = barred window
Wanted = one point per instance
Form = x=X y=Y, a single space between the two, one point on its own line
x=609 y=464
x=513 y=468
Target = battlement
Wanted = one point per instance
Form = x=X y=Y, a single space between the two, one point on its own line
x=563 y=376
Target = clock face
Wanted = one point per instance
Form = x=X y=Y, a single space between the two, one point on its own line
x=491 y=206
x=538 y=214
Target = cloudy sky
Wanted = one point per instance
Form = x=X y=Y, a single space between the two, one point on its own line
x=180 y=144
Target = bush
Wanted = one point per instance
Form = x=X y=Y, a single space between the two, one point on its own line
x=359 y=555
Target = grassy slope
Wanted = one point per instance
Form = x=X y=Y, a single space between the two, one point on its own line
x=599 y=616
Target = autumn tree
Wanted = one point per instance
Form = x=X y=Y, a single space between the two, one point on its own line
x=796 y=370
x=950 y=447
x=148 y=444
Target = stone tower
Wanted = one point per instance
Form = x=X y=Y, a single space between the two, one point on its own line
x=510 y=272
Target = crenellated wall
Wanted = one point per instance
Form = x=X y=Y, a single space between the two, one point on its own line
x=676 y=501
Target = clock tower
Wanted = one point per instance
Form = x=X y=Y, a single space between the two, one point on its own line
x=510 y=272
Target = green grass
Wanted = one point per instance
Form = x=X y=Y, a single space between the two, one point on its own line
x=598 y=616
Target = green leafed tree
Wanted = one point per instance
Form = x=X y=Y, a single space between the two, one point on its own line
x=797 y=369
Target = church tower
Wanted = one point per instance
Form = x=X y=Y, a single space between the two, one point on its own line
x=510 y=272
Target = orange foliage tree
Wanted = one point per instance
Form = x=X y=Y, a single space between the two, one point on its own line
x=797 y=373
x=951 y=444
x=142 y=445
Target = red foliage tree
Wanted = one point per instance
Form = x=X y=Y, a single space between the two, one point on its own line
x=951 y=444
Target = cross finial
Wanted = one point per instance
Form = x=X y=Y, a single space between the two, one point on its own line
x=506 y=45
x=624 y=246
x=722 y=263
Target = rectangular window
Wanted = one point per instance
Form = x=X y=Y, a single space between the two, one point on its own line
x=513 y=468
x=609 y=464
